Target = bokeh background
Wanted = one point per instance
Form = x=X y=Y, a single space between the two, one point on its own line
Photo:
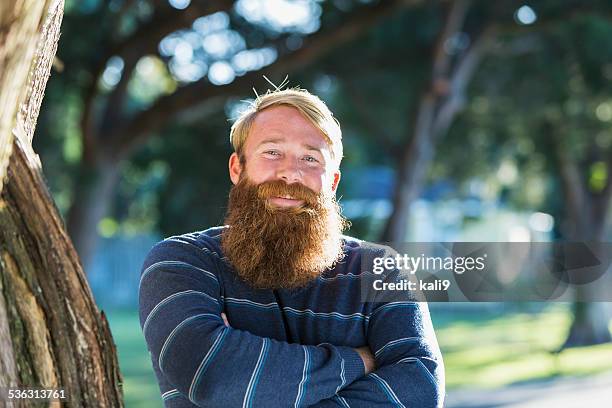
x=462 y=120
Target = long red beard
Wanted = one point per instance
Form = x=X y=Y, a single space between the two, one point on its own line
x=273 y=247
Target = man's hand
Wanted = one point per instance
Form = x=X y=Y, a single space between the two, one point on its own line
x=368 y=359
x=225 y=319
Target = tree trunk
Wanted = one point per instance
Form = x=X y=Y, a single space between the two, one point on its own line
x=590 y=324
x=51 y=332
x=442 y=99
x=586 y=219
x=415 y=161
x=93 y=197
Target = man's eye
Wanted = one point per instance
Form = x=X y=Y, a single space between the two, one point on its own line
x=311 y=159
x=272 y=152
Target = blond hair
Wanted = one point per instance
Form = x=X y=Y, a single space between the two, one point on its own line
x=309 y=105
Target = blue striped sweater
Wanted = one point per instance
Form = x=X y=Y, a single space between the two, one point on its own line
x=283 y=348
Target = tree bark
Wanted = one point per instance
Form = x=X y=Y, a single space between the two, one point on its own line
x=51 y=332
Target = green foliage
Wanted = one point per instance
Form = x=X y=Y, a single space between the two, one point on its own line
x=552 y=78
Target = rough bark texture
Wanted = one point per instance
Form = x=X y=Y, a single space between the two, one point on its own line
x=51 y=333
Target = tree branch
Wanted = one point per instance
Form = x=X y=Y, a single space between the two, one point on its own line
x=454 y=23
x=439 y=86
x=143 y=41
x=573 y=183
x=461 y=78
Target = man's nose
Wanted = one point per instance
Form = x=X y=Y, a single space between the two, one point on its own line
x=289 y=171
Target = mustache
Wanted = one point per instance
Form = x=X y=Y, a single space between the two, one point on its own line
x=279 y=188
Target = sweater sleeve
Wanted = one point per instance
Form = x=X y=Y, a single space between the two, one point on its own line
x=410 y=369
x=213 y=365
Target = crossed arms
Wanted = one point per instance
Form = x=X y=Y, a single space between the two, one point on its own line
x=214 y=365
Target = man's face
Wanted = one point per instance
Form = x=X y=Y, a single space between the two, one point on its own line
x=283 y=145
x=284 y=224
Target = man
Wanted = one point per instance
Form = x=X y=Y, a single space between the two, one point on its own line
x=268 y=311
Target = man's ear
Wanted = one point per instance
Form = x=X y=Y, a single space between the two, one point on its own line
x=235 y=168
x=336 y=181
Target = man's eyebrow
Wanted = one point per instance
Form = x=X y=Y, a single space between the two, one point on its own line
x=311 y=147
x=280 y=140
x=274 y=140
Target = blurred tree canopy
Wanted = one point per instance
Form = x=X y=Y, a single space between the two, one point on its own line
x=507 y=101
x=154 y=69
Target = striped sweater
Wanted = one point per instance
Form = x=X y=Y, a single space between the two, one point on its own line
x=283 y=348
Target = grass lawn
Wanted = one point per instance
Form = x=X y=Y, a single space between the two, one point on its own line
x=480 y=350
x=496 y=349
x=139 y=385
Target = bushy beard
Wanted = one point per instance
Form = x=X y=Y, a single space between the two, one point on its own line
x=281 y=247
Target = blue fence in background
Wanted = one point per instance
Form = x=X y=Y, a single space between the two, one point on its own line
x=114 y=274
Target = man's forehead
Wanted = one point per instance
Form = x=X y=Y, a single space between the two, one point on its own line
x=281 y=116
x=285 y=124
